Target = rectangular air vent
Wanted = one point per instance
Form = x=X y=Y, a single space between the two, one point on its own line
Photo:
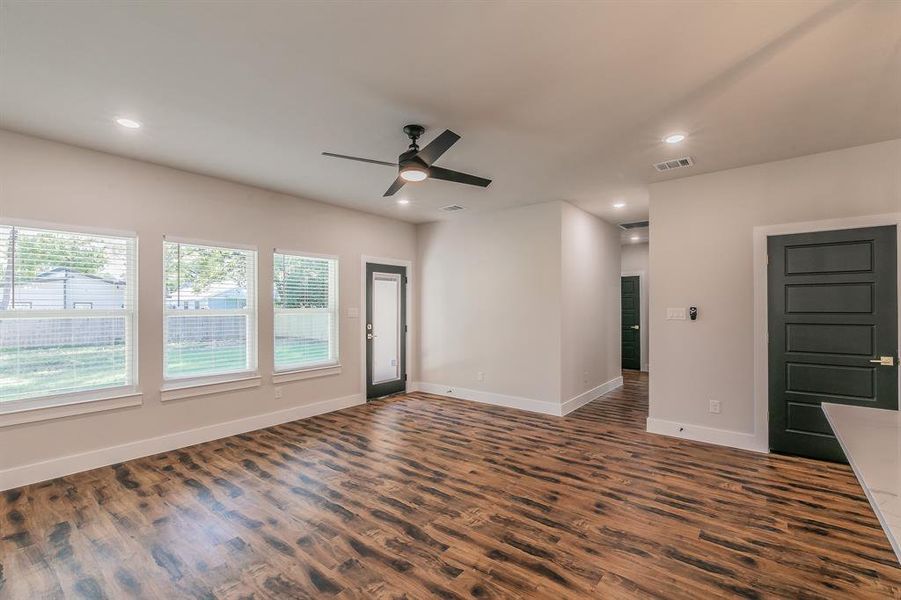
x=635 y=225
x=678 y=163
x=451 y=208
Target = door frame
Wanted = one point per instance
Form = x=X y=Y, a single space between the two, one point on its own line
x=411 y=322
x=761 y=433
x=644 y=303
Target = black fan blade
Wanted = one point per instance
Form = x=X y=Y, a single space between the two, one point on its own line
x=365 y=160
x=457 y=177
x=438 y=146
x=398 y=183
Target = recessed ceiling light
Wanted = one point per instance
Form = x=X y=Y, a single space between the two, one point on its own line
x=128 y=123
x=619 y=205
x=635 y=238
x=674 y=138
x=403 y=201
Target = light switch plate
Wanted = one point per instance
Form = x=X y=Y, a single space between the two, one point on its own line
x=675 y=314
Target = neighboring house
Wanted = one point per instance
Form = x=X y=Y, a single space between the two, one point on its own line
x=62 y=288
x=226 y=294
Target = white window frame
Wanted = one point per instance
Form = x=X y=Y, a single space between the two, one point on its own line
x=174 y=388
x=53 y=406
x=329 y=367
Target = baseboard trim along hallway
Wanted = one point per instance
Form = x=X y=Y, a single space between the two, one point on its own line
x=530 y=404
x=697 y=433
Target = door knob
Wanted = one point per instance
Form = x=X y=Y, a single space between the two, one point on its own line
x=885 y=361
x=635 y=327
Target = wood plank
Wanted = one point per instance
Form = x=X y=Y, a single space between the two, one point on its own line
x=434 y=497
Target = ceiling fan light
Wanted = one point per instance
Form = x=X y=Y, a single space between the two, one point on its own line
x=413 y=173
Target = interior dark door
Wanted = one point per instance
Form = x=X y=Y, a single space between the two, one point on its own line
x=631 y=322
x=833 y=315
x=386 y=327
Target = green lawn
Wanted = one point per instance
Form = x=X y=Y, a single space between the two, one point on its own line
x=43 y=371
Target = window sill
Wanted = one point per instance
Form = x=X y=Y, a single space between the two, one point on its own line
x=300 y=374
x=77 y=405
x=176 y=390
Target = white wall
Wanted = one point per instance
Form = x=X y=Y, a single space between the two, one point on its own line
x=591 y=344
x=527 y=296
x=490 y=302
x=51 y=182
x=702 y=255
x=635 y=260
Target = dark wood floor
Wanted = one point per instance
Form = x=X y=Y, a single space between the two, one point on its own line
x=420 y=496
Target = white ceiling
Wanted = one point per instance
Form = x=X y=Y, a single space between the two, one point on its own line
x=555 y=100
x=641 y=233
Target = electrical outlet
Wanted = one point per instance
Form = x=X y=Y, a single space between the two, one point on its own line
x=715 y=407
x=480 y=376
x=278 y=393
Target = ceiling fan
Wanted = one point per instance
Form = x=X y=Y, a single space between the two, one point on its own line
x=416 y=164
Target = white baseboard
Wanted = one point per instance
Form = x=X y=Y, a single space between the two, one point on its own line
x=647 y=367
x=721 y=437
x=75 y=463
x=539 y=406
x=530 y=404
x=592 y=394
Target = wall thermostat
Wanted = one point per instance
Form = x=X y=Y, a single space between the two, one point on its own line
x=693 y=313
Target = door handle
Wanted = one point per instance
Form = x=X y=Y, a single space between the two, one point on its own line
x=635 y=327
x=885 y=361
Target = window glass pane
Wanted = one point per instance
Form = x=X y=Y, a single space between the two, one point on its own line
x=302 y=339
x=55 y=270
x=40 y=357
x=306 y=304
x=209 y=298
x=203 y=277
x=6 y=267
x=206 y=345
x=66 y=312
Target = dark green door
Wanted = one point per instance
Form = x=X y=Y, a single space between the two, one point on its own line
x=631 y=320
x=833 y=313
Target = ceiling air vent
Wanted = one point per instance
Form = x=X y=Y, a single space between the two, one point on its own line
x=678 y=163
x=451 y=208
x=635 y=225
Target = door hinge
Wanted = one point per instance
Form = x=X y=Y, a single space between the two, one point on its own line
x=406 y=280
x=767 y=259
x=406 y=329
x=405 y=376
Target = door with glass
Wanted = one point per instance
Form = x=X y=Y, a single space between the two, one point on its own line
x=386 y=327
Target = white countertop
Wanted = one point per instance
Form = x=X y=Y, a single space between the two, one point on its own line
x=871 y=439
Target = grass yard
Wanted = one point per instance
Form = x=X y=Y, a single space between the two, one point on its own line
x=44 y=371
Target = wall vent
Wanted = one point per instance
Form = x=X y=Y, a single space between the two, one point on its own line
x=451 y=208
x=678 y=163
x=635 y=225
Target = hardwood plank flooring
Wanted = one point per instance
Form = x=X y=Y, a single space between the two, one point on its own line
x=421 y=496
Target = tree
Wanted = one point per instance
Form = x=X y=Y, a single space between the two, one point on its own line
x=302 y=283
x=35 y=252
x=39 y=251
x=199 y=267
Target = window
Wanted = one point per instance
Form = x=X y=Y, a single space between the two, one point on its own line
x=210 y=310
x=67 y=313
x=306 y=311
